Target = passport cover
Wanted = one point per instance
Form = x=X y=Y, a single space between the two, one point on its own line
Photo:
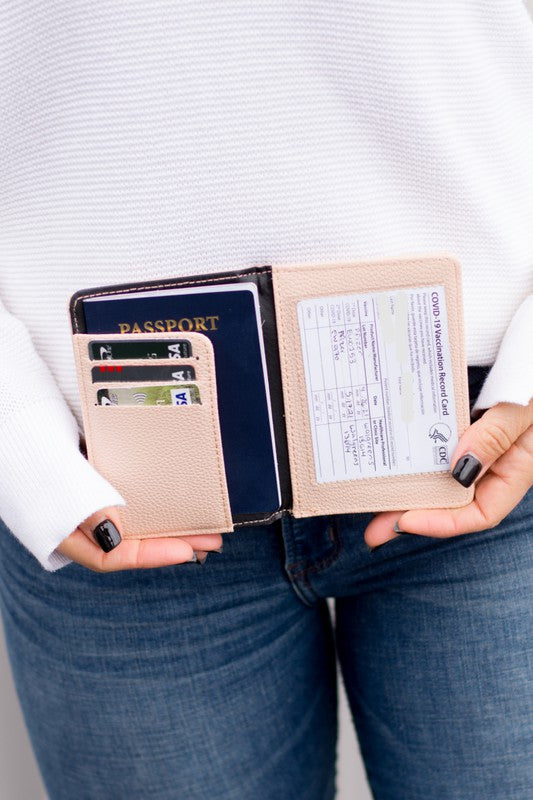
x=280 y=289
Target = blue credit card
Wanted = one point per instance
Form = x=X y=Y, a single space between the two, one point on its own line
x=229 y=316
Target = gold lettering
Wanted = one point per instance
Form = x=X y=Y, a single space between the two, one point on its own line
x=212 y=321
x=208 y=323
x=199 y=324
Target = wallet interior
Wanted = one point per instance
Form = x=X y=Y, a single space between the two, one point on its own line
x=145 y=451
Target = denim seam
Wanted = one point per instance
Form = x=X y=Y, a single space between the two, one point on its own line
x=302 y=576
x=304 y=591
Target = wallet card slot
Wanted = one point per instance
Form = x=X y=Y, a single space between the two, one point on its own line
x=177 y=370
x=166 y=461
x=201 y=390
x=136 y=362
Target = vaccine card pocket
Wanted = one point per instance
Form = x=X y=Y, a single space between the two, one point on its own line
x=165 y=459
x=374 y=383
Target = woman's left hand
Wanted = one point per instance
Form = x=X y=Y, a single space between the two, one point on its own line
x=497 y=450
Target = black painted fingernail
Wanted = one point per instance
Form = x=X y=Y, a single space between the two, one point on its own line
x=396 y=529
x=466 y=470
x=107 y=535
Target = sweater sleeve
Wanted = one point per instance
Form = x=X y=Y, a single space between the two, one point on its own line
x=47 y=486
x=510 y=379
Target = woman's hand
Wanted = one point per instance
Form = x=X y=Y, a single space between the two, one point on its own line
x=81 y=546
x=501 y=443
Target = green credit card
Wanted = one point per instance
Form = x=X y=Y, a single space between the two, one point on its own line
x=176 y=395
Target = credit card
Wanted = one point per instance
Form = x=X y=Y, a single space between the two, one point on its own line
x=151 y=372
x=185 y=395
x=169 y=348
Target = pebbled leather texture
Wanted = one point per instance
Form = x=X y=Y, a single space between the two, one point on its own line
x=296 y=282
x=166 y=462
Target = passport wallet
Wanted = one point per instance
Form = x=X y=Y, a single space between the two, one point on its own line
x=363 y=368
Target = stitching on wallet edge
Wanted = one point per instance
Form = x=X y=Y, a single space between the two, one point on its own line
x=218 y=444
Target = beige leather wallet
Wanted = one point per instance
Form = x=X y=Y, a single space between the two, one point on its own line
x=166 y=462
x=169 y=464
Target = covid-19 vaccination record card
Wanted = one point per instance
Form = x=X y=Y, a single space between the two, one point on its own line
x=379 y=383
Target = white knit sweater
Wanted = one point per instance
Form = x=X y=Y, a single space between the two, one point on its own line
x=152 y=138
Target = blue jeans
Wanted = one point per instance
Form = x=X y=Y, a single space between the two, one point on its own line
x=219 y=681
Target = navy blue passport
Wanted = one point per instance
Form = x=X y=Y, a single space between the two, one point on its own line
x=231 y=321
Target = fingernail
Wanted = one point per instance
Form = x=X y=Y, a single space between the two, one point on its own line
x=201 y=559
x=466 y=470
x=107 y=535
x=396 y=529
x=194 y=557
x=218 y=550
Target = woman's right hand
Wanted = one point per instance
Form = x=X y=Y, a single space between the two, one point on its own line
x=81 y=546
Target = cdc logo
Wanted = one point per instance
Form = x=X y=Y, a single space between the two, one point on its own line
x=440 y=434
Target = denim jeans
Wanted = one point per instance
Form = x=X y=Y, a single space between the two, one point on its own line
x=219 y=681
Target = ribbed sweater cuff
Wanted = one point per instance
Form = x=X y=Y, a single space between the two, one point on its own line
x=47 y=485
x=511 y=378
